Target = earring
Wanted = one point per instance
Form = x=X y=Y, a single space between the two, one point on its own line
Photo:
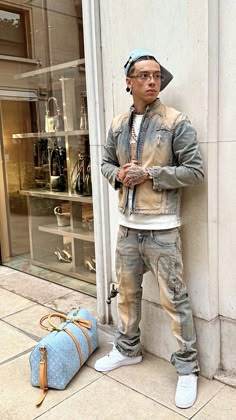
x=127 y=89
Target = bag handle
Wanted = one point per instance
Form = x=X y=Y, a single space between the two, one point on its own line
x=77 y=321
x=81 y=323
x=52 y=98
x=43 y=382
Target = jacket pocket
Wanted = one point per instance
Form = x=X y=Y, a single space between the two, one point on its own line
x=157 y=151
x=148 y=199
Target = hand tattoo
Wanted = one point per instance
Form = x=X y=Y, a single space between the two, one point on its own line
x=134 y=175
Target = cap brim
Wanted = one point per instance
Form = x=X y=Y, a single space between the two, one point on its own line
x=166 y=77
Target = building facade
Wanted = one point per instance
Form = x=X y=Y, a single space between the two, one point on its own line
x=75 y=47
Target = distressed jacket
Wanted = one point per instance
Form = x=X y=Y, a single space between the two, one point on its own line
x=167 y=146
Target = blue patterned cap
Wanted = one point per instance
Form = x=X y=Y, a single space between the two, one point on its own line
x=139 y=53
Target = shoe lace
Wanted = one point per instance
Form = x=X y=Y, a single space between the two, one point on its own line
x=185 y=381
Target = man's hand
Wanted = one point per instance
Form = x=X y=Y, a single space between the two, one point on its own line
x=132 y=174
x=123 y=170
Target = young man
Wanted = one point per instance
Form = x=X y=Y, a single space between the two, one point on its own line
x=151 y=153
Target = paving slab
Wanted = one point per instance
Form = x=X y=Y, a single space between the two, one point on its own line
x=11 y=303
x=13 y=342
x=5 y=270
x=28 y=320
x=228 y=378
x=74 y=300
x=18 y=397
x=221 y=407
x=107 y=399
x=157 y=379
x=34 y=288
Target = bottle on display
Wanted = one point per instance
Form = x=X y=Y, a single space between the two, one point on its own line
x=88 y=182
x=83 y=118
x=83 y=112
x=79 y=185
x=36 y=154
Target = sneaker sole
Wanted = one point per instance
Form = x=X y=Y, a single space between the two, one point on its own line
x=187 y=405
x=131 y=361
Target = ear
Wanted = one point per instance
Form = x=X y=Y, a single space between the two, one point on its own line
x=129 y=82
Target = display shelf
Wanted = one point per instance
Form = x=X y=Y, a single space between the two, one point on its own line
x=44 y=134
x=66 y=268
x=58 y=70
x=68 y=232
x=57 y=195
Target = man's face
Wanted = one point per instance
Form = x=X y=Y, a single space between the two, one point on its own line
x=145 y=81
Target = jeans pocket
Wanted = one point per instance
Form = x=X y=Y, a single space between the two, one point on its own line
x=165 y=238
x=122 y=233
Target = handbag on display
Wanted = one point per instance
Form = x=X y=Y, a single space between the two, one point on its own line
x=63 y=217
x=83 y=181
x=57 y=177
x=57 y=358
x=53 y=122
x=79 y=181
x=88 y=182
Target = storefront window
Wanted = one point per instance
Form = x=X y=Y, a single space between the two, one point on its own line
x=47 y=202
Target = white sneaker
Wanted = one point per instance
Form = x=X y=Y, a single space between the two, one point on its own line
x=186 y=391
x=114 y=360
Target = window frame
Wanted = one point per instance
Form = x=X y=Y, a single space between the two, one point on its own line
x=26 y=18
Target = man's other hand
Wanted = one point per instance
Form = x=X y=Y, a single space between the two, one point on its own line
x=132 y=174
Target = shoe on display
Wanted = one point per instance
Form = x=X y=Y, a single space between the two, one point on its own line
x=114 y=360
x=61 y=256
x=186 y=391
x=67 y=254
x=90 y=264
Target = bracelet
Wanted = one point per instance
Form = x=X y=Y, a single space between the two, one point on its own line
x=117 y=175
x=149 y=172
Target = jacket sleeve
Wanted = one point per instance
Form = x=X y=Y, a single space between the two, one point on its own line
x=110 y=164
x=187 y=168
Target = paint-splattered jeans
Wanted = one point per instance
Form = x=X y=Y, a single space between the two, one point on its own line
x=137 y=252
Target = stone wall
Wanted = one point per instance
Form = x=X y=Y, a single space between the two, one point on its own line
x=227 y=184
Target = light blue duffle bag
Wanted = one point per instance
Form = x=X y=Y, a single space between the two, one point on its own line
x=57 y=358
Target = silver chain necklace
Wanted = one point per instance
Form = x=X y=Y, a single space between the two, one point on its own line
x=134 y=137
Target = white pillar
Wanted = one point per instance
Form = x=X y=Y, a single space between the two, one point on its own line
x=94 y=83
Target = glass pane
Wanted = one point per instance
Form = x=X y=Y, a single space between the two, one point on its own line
x=48 y=210
x=12 y=34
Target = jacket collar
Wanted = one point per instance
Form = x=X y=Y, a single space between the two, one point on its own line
x=153 y=108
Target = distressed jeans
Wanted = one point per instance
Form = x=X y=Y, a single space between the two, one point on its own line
x=140 y=251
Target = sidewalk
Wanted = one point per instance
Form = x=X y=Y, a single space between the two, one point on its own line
x=144 y=391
